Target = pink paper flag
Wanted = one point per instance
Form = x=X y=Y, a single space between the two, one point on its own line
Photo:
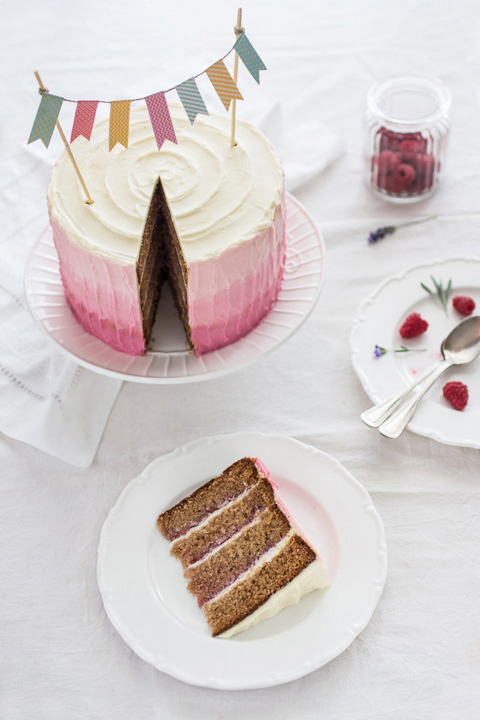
x=84 y=119
x=160 y=119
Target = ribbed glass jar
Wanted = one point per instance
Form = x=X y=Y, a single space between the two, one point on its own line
x=406 y=130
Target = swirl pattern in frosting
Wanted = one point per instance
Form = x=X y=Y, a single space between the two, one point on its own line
x=219 y=196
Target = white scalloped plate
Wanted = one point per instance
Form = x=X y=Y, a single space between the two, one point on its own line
x=144 y=591
x=378 y=321
x=170 y=361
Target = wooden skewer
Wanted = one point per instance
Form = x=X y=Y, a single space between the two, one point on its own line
x=238 y=31
x=89 y=200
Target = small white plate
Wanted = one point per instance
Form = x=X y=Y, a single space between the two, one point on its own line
x=170 y=361
x=378 y=322
x=145 y=594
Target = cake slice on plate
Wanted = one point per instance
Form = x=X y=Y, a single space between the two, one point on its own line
x=243 y=556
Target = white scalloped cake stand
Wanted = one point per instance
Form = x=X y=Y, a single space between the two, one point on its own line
x=144 y=591
x=170 y=361
x=378 y=321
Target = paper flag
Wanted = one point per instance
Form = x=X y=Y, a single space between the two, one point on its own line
x=191 y=99
x=160 y=119
x=223 y=83
x=249 y=56
x=119 y=119
x=46 y=118
x=84 y=119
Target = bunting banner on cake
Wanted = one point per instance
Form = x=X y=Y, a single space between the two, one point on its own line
x=160 y=118
x=84 y=119
x=223 y=83
x=119 y=119
x=46 y=118
x=159 y=113
x=249 y=56
x=191 y=99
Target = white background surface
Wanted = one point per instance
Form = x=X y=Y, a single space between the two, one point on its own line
x=420 y=655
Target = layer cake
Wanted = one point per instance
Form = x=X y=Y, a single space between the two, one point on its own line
x=205 y=216
x=242 y=554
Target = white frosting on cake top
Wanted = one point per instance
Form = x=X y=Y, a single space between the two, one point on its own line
x=218 y=195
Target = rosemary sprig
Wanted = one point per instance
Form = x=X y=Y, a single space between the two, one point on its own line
x=440 y=293
x=379 y=351
x=405 y=349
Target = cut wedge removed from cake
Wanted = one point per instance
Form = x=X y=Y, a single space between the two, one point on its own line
x=243 y=555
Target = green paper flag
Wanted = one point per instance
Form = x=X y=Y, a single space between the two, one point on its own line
x=250 y=58
x=191 y=99
x=46 y=118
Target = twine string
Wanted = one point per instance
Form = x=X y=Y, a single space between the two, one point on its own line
x=193 y=77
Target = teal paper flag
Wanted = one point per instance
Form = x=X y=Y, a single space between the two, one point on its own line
x=249 y=56
x=191 y=99
x=46 y=118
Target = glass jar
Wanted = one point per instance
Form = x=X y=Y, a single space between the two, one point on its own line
x=406 y=130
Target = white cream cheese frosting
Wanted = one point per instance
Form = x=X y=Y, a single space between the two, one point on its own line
x=313 y=577
x=219 y=196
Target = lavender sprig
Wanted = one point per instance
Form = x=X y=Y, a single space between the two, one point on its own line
x=379 y=351
x=440 y=293
x=380 y=232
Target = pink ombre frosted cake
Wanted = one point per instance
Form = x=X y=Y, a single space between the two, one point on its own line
x=207 y=217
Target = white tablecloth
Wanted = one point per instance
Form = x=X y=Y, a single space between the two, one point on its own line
x=420 y=655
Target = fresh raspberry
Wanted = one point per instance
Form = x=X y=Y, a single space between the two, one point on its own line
x=421 y=141
x=425 y=166
x=456 y=393
x=408 y=149
x=417 y=136
x=405 y=174
x=414 y=325
x=422 y=185
x=463 y=304
x=389 y=140
x=391 y=185
x=388 y=161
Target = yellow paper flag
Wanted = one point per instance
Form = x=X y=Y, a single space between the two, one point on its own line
x=223 y=83
x=119 y=120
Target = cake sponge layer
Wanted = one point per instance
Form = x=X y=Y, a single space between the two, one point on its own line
x=245 y=596
x=219 y=569
x=219 y=527
x=208 y=498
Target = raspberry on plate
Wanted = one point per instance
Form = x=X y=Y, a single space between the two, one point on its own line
x=463 y=304
x=413 y=325
x=456 y=393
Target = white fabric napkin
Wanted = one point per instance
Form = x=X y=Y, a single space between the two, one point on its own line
x=305 y=148
x=48 y=400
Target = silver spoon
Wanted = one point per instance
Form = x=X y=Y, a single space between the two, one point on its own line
x=460 y=347
x=458 y=341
